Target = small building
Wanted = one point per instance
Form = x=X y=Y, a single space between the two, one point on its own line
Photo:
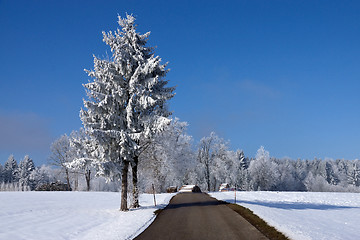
x=224 y=187
x=189 y=188
x=171 y=189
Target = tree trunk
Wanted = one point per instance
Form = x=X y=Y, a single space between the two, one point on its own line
x=76 y=181
x=67 y=178
x=135 y=192
x=207 y=176
x=124 y=186
x=87 y=177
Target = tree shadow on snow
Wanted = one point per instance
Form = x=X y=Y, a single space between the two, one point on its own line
x=292 y=205
x=158 y=206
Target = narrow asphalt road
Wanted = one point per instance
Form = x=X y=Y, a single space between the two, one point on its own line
x=198 y=216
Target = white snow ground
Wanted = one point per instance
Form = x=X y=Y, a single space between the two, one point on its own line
x=304 y=215
x=96 y=215
x=73 y=215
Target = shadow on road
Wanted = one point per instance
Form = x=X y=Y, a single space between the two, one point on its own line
x=195 y=204
x=292 y=205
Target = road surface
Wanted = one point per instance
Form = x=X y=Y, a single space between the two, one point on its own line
x=198 y=216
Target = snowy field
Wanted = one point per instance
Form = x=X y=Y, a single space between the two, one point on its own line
x=96 y=215
x=305 y=215
x=73 y=215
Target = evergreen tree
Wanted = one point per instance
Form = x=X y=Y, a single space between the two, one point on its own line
x=42 y=175
x=26 y=167
x=243 y=162
x=126 y=103
x=11 y=170
x=242 y=181
x=343 y=169
x=300 y=174
x=331 y=176
x=354 y=175
x=1 y=174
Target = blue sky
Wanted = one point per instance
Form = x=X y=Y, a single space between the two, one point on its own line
x=282 y=74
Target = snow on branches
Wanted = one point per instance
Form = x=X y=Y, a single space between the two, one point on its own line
x=127 y=97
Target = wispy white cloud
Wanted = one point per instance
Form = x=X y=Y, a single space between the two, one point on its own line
x=259 y=89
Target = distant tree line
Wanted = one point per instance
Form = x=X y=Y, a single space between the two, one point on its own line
x=217 y=164
x=211 y=162
x=23 y=176
x=173 y=160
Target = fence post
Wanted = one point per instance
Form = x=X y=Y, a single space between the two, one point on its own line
x=154 y=194
x=235 y=193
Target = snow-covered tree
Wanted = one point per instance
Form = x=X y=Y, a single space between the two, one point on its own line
x=11 y=170
x=300 y=173
x=331 y=172
x=263 y=171
x=1 y=173
x=214 y=162
x=61 y=154
x=343 y=168
x=26 y=167
x=316 y=183
x=243 y=161
x=353 y=175
x=205 y=158
x=242 y=174
x=169 y=160
x=223 y=165
x=126 y=103
x=42 y=175
x=286 y=170
x=85 y=158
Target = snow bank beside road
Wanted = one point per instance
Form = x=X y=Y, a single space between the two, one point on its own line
x=73 y=215
x=304 y=215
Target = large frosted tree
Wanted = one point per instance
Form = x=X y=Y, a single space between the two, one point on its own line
x=126 y=103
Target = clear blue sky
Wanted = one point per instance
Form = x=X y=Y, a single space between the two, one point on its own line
x=282 y=74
